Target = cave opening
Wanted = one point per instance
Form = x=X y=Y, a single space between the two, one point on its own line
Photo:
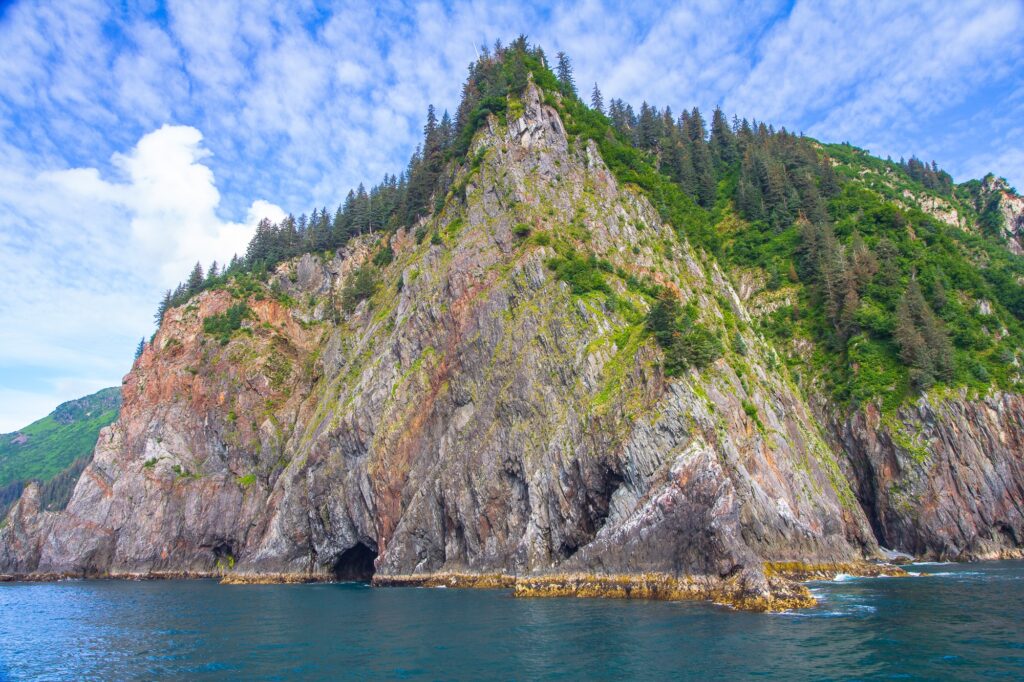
x=223 y=556
x=355 y=564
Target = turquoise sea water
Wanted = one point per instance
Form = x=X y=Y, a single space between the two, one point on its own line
x=965 y=621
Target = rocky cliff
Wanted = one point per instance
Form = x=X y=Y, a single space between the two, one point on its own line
x=1009 y=206
x=422 y=407
x=943 y=479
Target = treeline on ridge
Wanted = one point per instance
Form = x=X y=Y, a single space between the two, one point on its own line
x=888 y=293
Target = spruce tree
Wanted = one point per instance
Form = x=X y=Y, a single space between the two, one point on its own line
x=924 y=345
x=723 y=141
x=195 y=280
x=939 y=299
x=445 y=131
x=695 y=128
x=703 y=167
x=564 y=73
x=162 y=307
x=647 y=128
x=596 y=100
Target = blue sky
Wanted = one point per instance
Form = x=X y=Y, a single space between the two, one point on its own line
x=136 y=138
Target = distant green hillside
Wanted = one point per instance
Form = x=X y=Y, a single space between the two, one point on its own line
x=55 y=445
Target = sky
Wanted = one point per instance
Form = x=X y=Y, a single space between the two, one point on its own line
x=139 y=137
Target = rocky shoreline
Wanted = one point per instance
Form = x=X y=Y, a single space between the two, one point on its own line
x=782 y=591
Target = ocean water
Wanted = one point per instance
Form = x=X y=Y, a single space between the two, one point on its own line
x=964 y=621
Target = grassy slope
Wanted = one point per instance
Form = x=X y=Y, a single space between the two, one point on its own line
x=53 y=445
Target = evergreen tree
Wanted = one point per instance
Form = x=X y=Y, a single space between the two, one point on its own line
x=140 y=348
x=195 y=280
x=165 y=304
x=863 y=263
x=723 y=141
x=446 y=132
x=647 y=127
x=694 y=126
x=619 y=116
x=704 y=170
x=564 y=74
x=259 y=245
x=846 y=324
x=517 y=72
x=939 y=299
x=924 y=346
x=596 y=100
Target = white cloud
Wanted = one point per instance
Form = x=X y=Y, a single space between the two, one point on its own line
x=88 y=257
x=170 y=201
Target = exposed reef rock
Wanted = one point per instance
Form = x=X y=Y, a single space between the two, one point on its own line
x=475 y=422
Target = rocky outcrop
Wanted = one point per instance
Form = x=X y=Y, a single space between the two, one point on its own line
x=23 y=532
x=943 y=479
x=475 y=420
x=1010 y=206
x=934 y=206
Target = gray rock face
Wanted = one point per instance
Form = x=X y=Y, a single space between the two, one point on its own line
x=945 y=480
x=23 y=533
x=473 y=416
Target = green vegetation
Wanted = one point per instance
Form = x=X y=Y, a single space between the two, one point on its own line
x=583 y=274
x=384 y=257
x=181 y=472
x=521 y=230
x=685 y=342
x=887 y=293
x=362 y=284
x=223 y=325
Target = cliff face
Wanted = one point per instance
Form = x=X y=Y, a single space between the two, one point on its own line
x=473 y=416
x=944 y=479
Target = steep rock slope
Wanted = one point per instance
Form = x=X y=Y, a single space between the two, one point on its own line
x=473 y=416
